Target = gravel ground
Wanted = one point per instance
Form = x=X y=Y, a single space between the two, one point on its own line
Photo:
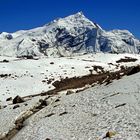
x=89 y=114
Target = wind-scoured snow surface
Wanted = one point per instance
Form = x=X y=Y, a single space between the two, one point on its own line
x=29 y=77
x=85 y=115
x=89 y=114
x=72 y=35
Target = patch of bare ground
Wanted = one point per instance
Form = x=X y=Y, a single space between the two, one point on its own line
x=4 y=61
x=126 y=60
x=133 y=70
x=98 y=68
x=105 y=77
x=5 y=75
x=80 y=82
x=19 y=122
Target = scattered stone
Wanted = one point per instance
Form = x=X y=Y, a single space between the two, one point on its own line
x=110 y=134
x=29 y=57
x=5 y=75
x=33 y=40
x=18 y=99
x=16 y=106
x=56 y=105
x=91 y=71
x=43 y=102
x=26 y=104
x=49 y=115
x=87 y=67
x=51 y=63
x=79 y=90
x=49 y=81
x=43 y=81
x=69 y=92
x=63 y=113
x=9 y=99
x=4 y=106
x=5 y=61
x=120 y=105
x=57 y=100
x=97 y=68
x=94 y=114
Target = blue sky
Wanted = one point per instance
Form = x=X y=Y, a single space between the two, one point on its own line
x=110 y=14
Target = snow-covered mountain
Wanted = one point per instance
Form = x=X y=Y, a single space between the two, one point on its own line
x=72 y=35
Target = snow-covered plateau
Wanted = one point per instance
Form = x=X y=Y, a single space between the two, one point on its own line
x=69 y=80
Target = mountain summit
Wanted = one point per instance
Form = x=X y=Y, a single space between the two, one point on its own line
x=67 y=36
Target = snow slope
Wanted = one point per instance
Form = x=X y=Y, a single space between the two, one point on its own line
x=68 y=36
x=89 y=114
x=30 y=77
x=84 y=115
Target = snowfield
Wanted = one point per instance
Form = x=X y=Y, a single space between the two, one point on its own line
x=29 y=77
x=88 y=114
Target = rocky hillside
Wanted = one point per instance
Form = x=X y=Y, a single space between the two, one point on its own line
x=68 y=36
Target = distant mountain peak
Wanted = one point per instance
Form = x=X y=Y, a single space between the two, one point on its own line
x=79 y=14
x=67 y=36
